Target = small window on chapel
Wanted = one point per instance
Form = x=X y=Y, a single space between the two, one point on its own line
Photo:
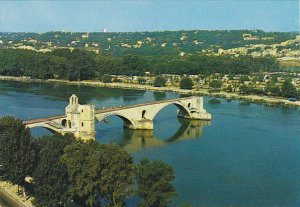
x=82 y=124
x=81 y=110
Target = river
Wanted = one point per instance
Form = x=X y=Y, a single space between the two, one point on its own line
x=248 y=155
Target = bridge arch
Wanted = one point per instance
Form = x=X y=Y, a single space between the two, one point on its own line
x=183 y=110
x=126 y=121
x=45 y=126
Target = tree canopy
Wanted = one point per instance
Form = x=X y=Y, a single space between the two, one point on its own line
x=289 y=90
x=50 y=175
x=159 y=81
x=17 y=151
x=98 y=171
x=88 y=173
x=154 y=180
x=186 y=83
x=84 y=65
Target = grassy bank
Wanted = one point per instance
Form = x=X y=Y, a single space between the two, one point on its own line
x=250 y=98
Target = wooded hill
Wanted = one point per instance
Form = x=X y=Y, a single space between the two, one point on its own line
x=146 y=43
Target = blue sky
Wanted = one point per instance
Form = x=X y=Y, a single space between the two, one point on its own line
x=142 y=15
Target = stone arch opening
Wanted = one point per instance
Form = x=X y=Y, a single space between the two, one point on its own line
x=189 y=105
x=182 y=112
x=38 y=131
x=64 y=122
x=126 y=122
x=143 y=114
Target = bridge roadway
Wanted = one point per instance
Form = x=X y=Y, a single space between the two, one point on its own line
x=104 y=110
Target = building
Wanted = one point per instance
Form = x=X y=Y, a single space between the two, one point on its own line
x=80 y=118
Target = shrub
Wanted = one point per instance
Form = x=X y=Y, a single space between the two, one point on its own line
x=186 y=83
x=106 y=78
x=159 y=81
x=215 y=84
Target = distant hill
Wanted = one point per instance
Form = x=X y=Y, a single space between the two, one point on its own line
x=146 y=43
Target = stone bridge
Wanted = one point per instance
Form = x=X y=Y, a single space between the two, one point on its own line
x=80 y=119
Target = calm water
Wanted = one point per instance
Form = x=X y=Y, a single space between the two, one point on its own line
x=248 y=155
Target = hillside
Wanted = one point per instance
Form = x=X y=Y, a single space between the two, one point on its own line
x=157 y=43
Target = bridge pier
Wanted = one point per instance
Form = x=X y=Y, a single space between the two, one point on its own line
x=140 y=124
x=195 y=115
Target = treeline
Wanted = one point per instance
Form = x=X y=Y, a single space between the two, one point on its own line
x=287 y=90
x=67 y=172
x=84 y=65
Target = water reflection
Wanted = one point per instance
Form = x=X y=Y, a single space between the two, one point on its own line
x=134 y=140
x=158 y=96
x=62 y=92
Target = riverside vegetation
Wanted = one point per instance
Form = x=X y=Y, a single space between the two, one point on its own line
x=67 y=172
x=228 y=73
x=83 y=65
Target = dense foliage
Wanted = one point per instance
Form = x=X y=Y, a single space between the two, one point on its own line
x=84 y=65
x=17 y=152
x=289 y=90
x=154 y=183
x=98 y=171
x=88 y=173
x=186 y=83
x=106 y=78
x=159 y=81
x=215 y=84
x=50 y=175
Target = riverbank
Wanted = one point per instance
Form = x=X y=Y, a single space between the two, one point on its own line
x=8 y=194
x=248 y=98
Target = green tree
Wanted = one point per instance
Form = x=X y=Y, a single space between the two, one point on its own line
x=159 y=81
x=82 y=65
x=244 y=78
x=133 y=64
x=50 y=175
x=17 y=151
x=83 y=172
x=186 y=83
x=117 y=174
x=271 y=88
x=141 y=80
x=106 y=78
x=154 y=180
x=246 y=89
x=288 y=89
x=215 y=84
x=98 y=171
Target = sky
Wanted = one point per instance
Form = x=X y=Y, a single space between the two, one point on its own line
x=146 y=15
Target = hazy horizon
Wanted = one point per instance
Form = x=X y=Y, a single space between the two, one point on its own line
x=67 y=31
x=142 y=16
